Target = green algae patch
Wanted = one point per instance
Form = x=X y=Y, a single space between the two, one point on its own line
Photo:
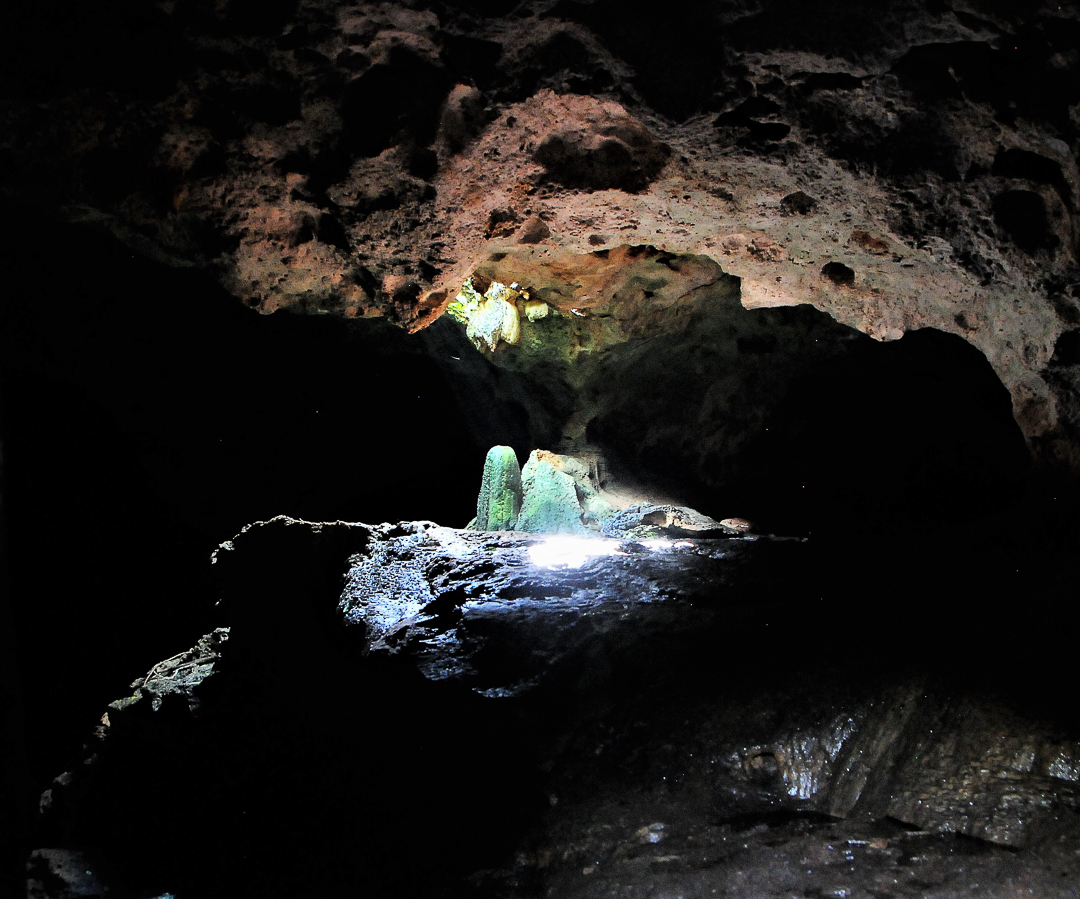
x=550 y=504
x=499 y=502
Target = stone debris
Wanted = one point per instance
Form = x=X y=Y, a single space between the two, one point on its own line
x=664 y=520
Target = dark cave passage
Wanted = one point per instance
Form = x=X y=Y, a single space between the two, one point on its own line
x=131 y=424
x=144 y=427
x=771 y=609
x=809 y=427
x=908 y=434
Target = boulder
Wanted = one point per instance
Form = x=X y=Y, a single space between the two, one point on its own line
x=644 y=520
x=550 y=502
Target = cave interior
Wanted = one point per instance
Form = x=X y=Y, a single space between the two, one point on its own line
x=810 y=267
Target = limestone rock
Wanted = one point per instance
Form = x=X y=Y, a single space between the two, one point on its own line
x=534 y=230
x=736 y=526
x=495 y=320
x=968 y=767
x=499 y=502
x=662 y=520
x=550 y=502
x=355 y=168
x=647 y=707
x=609 y=149
x=62 y=874
x=588 y=469
x=490 y=318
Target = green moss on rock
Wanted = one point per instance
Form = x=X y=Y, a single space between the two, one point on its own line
x=499 y=502
x=550 y=503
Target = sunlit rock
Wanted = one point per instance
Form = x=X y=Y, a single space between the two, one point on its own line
x=655 y=520
x=490 y=318
x=636 y=702
x=499 y=502
x=550 y=502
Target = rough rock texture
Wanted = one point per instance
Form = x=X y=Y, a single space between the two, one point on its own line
x=561 y=494
x=456 y=602
x=905 y=166
x=484 y=715
x=499 y=501
x=719 y=217
x=653 y=520
x=550 y=503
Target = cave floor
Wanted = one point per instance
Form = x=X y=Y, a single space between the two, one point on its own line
x=459 y=720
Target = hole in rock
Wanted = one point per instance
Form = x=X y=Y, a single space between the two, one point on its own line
x=838 y=273
x=798 y=203
x=1067 y=349
x=393 y=101
x=1015 y=163
x=1022 y=213
x=782 y=415
x=768 y=131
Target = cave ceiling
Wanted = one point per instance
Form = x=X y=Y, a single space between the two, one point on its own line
x=902 y=167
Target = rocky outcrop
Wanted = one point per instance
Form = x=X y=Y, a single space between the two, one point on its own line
x=656 y=520
x=561 y=494
x=551 y=504
x=541 y=498
x=499 y=502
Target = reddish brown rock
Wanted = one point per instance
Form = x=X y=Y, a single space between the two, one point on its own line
x=316 y=155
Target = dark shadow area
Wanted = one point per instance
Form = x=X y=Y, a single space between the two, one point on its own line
x=891 y=437
x=147 y=417
x=809 y=427
x=311 y=769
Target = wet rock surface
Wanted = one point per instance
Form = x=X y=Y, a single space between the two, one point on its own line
x=411 y=708
x=462 y=606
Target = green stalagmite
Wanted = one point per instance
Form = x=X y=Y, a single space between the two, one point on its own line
x=499 y=502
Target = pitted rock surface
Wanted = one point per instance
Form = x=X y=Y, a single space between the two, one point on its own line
x=910 y=167
x=664 y=520
x=900 y=750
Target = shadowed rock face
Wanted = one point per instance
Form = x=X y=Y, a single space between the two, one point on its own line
x=566 y=719
x=907 y=168
x=758 y=412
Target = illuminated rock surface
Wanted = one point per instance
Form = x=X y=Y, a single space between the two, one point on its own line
x=499 y=502
x=905 y=168
x=500 y=714
x=550 y=503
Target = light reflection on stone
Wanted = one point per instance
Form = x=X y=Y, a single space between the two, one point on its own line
x=572 y=552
